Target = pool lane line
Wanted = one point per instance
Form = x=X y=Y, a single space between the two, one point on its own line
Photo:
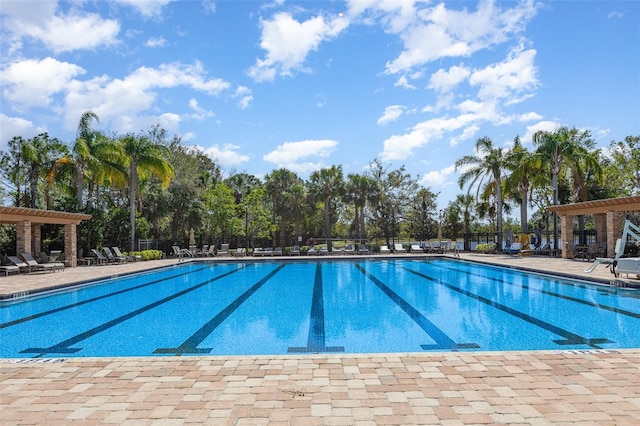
x=190 y=346
x=316 y=342
x=442 y=340
x=570 y=338
x=549 y=293
x=64 y=346
x=93 y=299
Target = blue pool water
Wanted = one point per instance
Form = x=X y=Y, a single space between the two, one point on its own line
x=363 y=306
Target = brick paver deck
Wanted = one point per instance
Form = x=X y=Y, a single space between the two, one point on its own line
x=537 y=387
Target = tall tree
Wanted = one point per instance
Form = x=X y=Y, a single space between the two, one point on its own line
x=466 y=203
x=38 y=156
x=278 y=186
x=327 y=184
x=145 y=159
x=359 y=189
x=565 y=150
x=624 y=172
x=487 y=167
x=422 y=222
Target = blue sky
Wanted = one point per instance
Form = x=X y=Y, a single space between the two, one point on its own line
x=308 y=84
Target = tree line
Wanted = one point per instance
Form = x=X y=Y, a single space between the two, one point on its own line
x=149 y=185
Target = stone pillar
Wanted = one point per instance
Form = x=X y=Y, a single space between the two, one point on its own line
x=615 y=225
x=601 y=228
x=36 y=240
x=70 y=245
x=566 y=229
x=23 y=237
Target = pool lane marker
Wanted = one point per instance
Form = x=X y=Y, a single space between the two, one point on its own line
x=443 y=342
x=64 y=346
x=570 y=338
x=93 y=299
x=316 y=340
x=190 y=346
x=549 y=293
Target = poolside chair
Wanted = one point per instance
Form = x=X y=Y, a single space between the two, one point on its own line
x=35 y=265
x=54 y=256
x=336 y=250
x=295 y=251
x=349 y=249
x=112 y=258
x=312 y=251
x=268 y=251
x=363 y=249
x=278 y=251
x=212 y=251
x=240 y=252
x=129 y=258
x=178 y=252
x=100 y=259
x=258 y=251
x=323 y=251
x=384 y=250
x=20 y=264
x=9 y=269
x=224 y=250
x=415 y=248
x=398 y=248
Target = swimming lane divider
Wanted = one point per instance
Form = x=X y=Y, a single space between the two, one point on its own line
x=316 y=340
x=571 y=338
x=64 y=346
x=549 y=293
x=190 y=346
x=93 y=299
x=442 y=340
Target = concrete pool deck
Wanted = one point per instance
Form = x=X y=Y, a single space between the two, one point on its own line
x=525 y=387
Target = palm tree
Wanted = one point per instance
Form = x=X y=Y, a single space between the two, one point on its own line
x=526 y=169
x=278 y=186
x=327 y=184
x=565 y=149
x=145 y=159
x=485 y=168
x=359 y=190
x=466 y=204
x=39 y=155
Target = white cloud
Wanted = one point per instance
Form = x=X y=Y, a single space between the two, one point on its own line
x=445 y=81
x=403 y=82
x=59 y=32
x=529 y=116
x=437 y=178
x=199 y=113
x=288 y=42
x=292 y=154
x=547 y=126
x=16 y=126
x=615 y=15
x=122 y=100
x=391 y=113
x=156 y=42
x=227 y=155
x=244 y=95
x=507 y=79
x=147 y=8
x=432 y=33
x=33 y=82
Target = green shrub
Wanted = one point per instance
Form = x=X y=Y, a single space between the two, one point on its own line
x=486 y=248
x=147 y=254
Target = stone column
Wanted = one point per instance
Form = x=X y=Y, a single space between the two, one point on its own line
x=70 y=245
x=601 y=228
x=23 y=237
x=566 y=229
x=615 y=225
x=36 y=239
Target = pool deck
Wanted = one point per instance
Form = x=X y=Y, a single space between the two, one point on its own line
x=527 y=387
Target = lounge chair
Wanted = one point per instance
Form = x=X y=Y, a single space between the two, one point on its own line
x=212 y=251
x=295 y=251
x=100 y=259
x=9 y=269
x=224 y=250
x=20 y=264
x=240 y=252
x=415 y=248
x=278 y=251
x=258 y=251
x=323 y=251
x=312 y=251
x=268 y=251
x=178 y=252
x=117 y=252
x=627 y=265
x=398 y=248
x=336 y=250
x=35 y=265
x=384 y=250
x=112 y=258
x=362 y=249
x=349 y=249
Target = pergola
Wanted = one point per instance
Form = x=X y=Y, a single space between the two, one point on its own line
x=28 y=226
x=609 y=214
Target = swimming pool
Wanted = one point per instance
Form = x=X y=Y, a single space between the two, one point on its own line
x=350 y=306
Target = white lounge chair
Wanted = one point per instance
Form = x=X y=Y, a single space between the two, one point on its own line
x=240 y=252
x=295 y=251
x=398 y=248
x=415 y=248
x=384 y=250
x=224 y=250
